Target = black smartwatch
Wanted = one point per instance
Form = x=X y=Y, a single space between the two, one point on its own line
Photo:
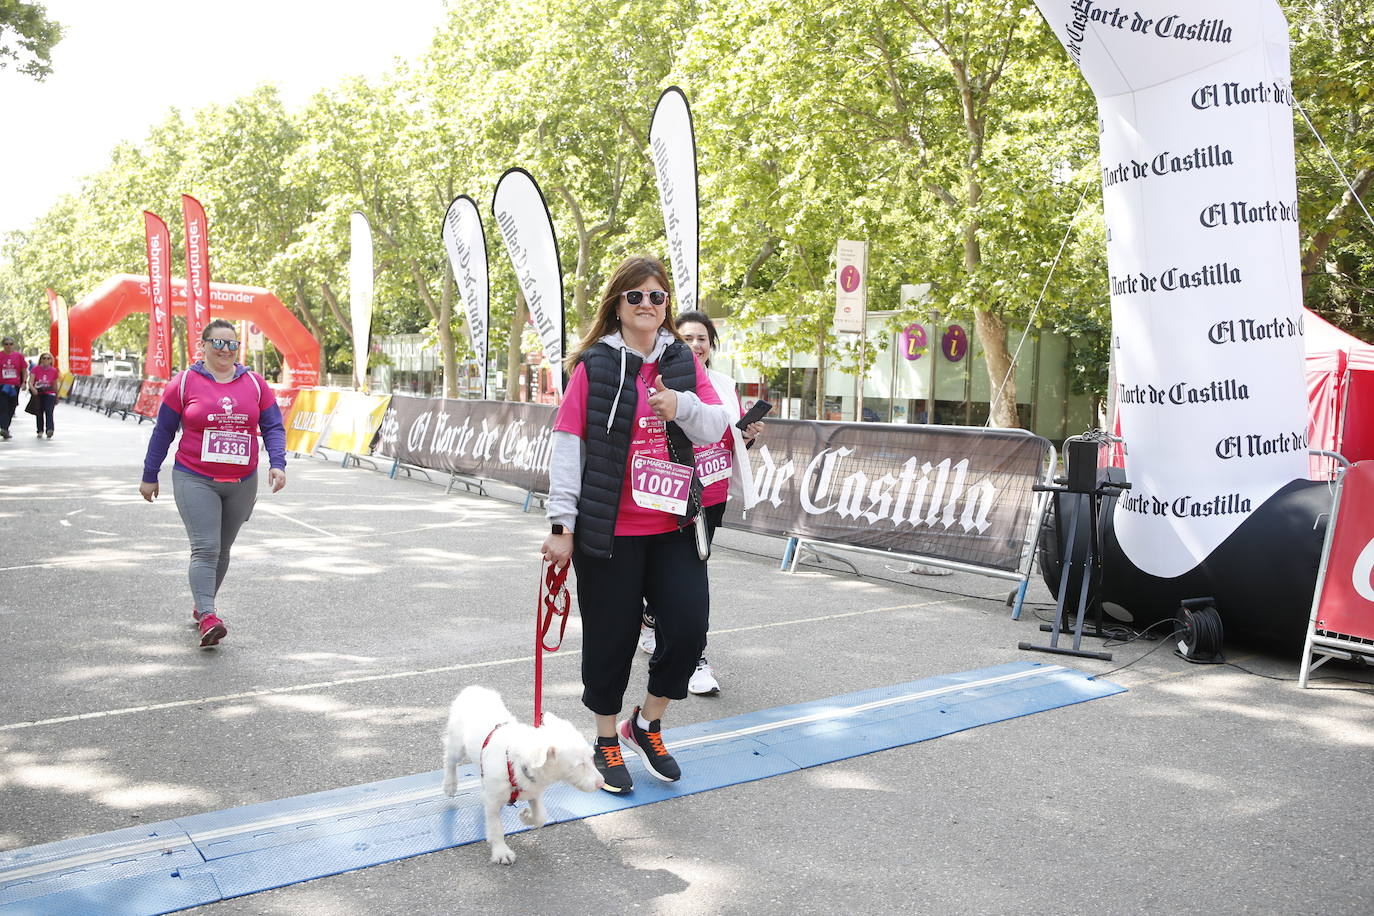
x=558 y=529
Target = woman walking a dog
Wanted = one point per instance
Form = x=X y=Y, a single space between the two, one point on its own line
x=221 y=408
x=623 y=499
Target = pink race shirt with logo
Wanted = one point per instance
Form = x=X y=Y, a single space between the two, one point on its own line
x=648 y=442
x=219 y=424
x=45 y=378
x=12 y=366
x=715 y=463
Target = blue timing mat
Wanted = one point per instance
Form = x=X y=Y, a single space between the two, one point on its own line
x=208 y=857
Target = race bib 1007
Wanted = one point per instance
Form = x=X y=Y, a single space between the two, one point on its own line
x=661 y=485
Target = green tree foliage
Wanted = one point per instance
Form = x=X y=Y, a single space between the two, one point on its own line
x=27 y=37
x=956 y=138
x=1333 y=46
x=953 y=137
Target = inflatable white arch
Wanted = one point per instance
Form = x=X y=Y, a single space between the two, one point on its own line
x=1200 y=198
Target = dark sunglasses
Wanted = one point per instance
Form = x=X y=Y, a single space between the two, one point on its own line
x=636 y=296
x=231 y=345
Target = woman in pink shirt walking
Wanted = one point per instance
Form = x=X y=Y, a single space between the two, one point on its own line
x=221 y=408
x=13 y=370
x=43 y=387
x=624 y=496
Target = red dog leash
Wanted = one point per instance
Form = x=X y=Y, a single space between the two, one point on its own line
x=554 y=601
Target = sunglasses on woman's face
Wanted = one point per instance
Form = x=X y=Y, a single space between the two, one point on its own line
x=636 y=296
x=231 y=345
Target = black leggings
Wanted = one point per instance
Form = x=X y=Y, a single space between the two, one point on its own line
x=663 y=569
x=47 y=403
x=8 y=404
x=714 y=516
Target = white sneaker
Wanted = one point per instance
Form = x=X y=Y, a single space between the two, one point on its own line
x=703 y=682
x=647 y=640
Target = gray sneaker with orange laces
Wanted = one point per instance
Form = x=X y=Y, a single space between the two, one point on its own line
x=648 y=744
x=610 y=763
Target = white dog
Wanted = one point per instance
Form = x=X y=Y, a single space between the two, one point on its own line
x=515 y=762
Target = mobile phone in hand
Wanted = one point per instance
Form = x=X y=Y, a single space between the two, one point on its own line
x=754 y=414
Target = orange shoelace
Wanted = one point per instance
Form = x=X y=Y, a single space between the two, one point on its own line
x=612 y=754
x=656 y=743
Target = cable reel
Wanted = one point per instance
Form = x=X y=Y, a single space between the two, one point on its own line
x=1200 y=632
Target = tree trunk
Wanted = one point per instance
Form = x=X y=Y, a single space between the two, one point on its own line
x=991 y=329
x=820 y=371
x=333 y=303
x=442 y=313
x=584 y=256
x=992 y=334
x=581 y=287
x=304 y=308
x=519 y=315
x=178 y=343
x=751 y=273
x=975 y=94
x=446 y=341
x=448 y=346
x=1321 y=240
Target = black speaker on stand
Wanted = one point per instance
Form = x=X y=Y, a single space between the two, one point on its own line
x=1079 y=493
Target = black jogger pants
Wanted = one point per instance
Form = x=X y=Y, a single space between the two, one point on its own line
x=664 y=571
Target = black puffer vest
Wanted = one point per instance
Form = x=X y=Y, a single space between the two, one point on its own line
x=603 y=473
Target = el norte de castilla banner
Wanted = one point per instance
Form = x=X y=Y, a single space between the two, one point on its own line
x=508 y=441
x=952 y=493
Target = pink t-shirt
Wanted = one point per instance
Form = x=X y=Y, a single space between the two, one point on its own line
x=648 y=439
x=715 y=464
x=45 y=378
x=219 y=423
x=12 y=366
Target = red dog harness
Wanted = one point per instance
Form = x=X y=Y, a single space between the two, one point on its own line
x=510 y=770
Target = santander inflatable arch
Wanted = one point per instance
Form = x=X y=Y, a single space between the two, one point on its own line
x=124 y=294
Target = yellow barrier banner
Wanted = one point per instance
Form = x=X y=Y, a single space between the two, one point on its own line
x=355 y=421
x=309 y=418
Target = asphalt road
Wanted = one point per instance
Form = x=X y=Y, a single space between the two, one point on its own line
x=358 y=606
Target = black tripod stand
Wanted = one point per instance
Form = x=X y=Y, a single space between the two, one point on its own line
x=1081 y=486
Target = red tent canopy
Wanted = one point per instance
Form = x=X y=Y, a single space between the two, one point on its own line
x=1340 y=390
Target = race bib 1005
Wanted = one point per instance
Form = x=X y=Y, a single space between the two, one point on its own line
x=661 y=485
x=713 y=463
